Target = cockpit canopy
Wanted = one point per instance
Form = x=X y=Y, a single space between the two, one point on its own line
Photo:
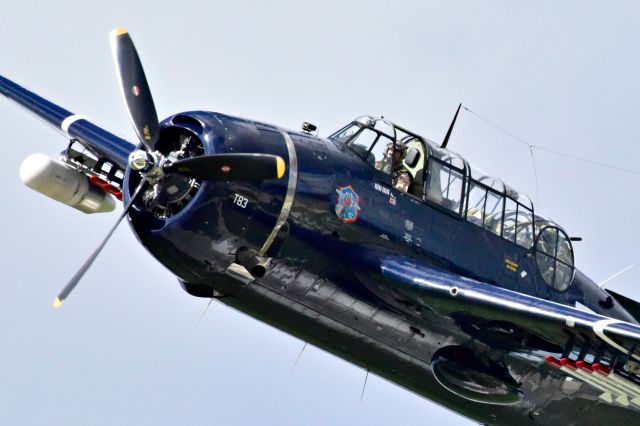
x=442 y=178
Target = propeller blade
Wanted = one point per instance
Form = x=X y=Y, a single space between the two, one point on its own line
x=73 y=282
x=236 y=167
x=135 y=88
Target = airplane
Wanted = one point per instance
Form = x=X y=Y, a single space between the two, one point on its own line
x=454 y=287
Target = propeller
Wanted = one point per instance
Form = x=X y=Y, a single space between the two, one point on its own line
x=237 y=167
x=151 y=164
x=135 y=88
x=73 y=282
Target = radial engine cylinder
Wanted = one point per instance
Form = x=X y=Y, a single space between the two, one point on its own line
x=60 y=182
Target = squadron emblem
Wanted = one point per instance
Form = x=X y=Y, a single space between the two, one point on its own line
x=348 y=206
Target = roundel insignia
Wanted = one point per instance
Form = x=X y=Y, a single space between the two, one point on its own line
x=135 y=90
x=348 y=206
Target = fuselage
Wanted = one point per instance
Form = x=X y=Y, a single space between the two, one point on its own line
x=319 y=284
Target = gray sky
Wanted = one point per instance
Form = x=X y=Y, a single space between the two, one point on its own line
x=124 y=349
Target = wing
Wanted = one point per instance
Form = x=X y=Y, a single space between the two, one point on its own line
x=598 y=350
x=73 y=126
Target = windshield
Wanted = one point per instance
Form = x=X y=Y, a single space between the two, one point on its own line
x=344 y=134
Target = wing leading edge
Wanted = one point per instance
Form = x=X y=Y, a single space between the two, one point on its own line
x=72 y=125
x=452 y=295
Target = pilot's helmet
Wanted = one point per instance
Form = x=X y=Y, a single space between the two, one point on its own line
x=398 y=146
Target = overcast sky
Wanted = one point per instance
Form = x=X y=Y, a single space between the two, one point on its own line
x=124 y=349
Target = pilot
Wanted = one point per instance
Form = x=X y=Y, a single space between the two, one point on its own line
x=392 y=164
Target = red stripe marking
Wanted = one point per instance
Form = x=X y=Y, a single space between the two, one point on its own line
x=601 y=369
x=96 y=181
x=104 y=185
x=552 y=361
x=584 y=366
x=568 y=363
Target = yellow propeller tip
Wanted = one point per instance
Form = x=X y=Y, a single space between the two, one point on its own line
x=280 y=167
x=57 y=303
x=118 y=32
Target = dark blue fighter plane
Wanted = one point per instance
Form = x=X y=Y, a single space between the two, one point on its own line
x=451 y=286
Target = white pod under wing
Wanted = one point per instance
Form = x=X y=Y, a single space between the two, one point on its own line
x=60 y=182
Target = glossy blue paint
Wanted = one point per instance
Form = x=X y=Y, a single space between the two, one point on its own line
x=386 y=291
x=105 y=143
x=352 y=260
